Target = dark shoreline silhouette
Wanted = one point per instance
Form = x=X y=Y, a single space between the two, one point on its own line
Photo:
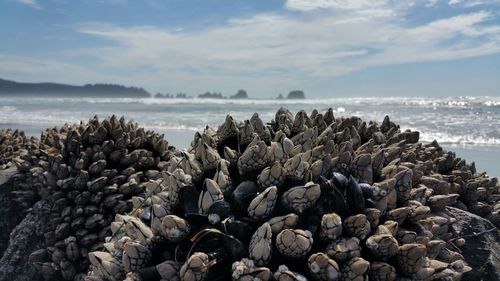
x=18 y=89
x=9 y=88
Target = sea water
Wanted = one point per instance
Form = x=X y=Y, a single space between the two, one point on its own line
x=470 y=126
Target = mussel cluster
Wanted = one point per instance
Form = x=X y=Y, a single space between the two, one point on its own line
x=85 y=173
x=14 y=143
x=301 y=198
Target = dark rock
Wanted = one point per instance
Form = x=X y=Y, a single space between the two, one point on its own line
x=241 y=94
x=296 y=95
x=10 y=212
x=482 y=244
x=24 y=239
x=209 y=95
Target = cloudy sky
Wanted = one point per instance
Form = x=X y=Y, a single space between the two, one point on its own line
x=325 y=47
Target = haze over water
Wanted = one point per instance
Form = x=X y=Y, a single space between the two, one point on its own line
x=469 y=126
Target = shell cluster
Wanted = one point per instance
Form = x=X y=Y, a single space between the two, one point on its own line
x=305 y=197
x=86 y=173
x=13 y=144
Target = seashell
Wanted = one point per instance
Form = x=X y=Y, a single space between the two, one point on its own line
x=72 y=250
x=439 y=202
x=106 y=266
x=357 y=226
x=253 y=158
x=195 y=268
x=246 y=270
x=355 y=269
x=331 y=227
x=403 y=185
x=323 y=268
x=381 y=271
x=354 y=196
x=222 y=177
x=48 y=270
x=300 y=198
x=383 y=246
x=260 y=247
x=398 y=215
x=175 y=228
x=210 y=193
x=135 y=256
x=410 y=258
x=272 y=176
x=240 y=230
x=218 y=211
x=244 y=193
x=231 y=156
x=68 y=271
x=169 y=270
x=209 y=158
x=137 y=230
x=284 y=274
x=262 y=205
x=344 y=249
x=283 y=222
x=294 y=243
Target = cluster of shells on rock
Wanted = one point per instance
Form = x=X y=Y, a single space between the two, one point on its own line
x=305 y=197
x=85 y=174
x=13 y=144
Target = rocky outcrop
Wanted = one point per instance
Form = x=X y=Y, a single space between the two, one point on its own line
x=24 y=239
x=10 y=213
x=482 y=244
x=296 y=95
x=241 y=94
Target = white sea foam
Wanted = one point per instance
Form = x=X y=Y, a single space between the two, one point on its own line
x=453 y=120
x=445 y=138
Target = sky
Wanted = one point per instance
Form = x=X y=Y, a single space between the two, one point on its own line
x=327 y=48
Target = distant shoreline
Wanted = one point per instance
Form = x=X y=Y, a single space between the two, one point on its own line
x=9 y=88
x=55 y=90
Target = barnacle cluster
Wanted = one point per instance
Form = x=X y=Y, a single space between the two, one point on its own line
x=14 y=143
x=305 y=197
x=85 y=173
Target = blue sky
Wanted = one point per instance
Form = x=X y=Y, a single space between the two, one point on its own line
x=325 y=47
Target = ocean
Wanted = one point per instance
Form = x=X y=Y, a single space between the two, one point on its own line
x=469 y=126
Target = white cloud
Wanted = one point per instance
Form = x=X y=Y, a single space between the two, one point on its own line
x=309 y=5
x=31 y=3
x=472 y=3
x=302 y=49
x=114 y=2
x=431 y=3
x=271 y=53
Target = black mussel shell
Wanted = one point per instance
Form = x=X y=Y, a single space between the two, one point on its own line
x=244 y=193
x=241 y=230
x=188 y=197
x=369 y=203
x=310 y=220
x=210 y=241
x=354 y=197
x=367 y=190
x=146 y=214
x=332 y=200
x=149 y=273
x=197 y=220
x=340 y=181
x=218 y=211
